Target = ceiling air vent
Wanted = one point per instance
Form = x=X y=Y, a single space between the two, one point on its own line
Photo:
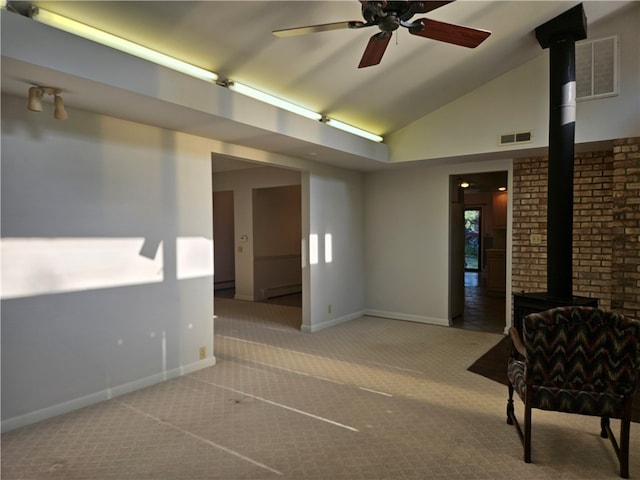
x=514 y=137
x=596 y=68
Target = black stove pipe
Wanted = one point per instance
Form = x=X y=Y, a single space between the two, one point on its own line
x=560 y=36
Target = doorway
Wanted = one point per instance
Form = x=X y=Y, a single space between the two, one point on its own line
x=477 y=234
x=257 y=213
x=223 y=226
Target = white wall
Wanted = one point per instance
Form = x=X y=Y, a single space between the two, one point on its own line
x=106 y=259
x=277 y=230
x=224 y=242
x=337 y=287
x=518 y=101
x=407 y=240
x=618 y=116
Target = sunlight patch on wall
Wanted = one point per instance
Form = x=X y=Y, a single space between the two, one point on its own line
x=313 y=249
x=328 y=248
x=39 y=266
x=194 y=257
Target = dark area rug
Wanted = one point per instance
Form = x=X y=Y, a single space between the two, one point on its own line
x=493 y=365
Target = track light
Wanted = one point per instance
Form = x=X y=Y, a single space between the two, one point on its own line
x=59 y=112
x=35 y=101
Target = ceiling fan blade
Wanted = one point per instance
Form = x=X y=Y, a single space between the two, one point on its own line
x=446 y=32
x=325 y=27
x=375 y=49
x=424 y=7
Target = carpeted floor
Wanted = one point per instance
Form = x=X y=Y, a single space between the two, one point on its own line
x=369 y=399
x=493 y=365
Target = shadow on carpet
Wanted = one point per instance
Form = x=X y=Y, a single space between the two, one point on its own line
x=493 y=365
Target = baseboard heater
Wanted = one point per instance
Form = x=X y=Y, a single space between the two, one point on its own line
x=281 y=290
x=224 y=285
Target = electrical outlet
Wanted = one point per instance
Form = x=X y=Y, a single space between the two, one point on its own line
x=329 y=308
x=203 y=353
x=535 y=239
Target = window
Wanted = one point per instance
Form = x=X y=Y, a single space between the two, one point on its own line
x=472 y=251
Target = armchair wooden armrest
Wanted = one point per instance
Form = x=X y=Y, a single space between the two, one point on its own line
x=517 y=342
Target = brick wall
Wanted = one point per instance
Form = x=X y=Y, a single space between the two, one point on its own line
x=625 y=295
x=606 y=226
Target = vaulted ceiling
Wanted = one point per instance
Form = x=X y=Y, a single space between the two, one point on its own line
x=319 y=71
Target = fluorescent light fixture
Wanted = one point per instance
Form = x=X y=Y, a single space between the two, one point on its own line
x=118 y=43
x=104 y=38
x=271 y=100
x=3 y=4
x=351 y=129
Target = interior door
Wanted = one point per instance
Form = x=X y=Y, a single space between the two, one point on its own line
x=456 y=249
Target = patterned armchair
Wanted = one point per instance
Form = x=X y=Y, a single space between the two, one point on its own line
x=576 y=360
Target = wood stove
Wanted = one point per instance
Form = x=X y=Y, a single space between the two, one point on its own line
x=559 y=35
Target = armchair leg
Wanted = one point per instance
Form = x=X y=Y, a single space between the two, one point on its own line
x=527 y=430
x=510 y=411
x=622 y=450
x=625 y=426
x=604 y=424
x=527 y=427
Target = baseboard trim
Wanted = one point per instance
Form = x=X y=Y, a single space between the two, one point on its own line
x=443 y=322
x=246 y=298
x=101 y=396
x=331 y=322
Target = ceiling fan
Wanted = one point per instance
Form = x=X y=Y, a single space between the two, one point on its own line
x=388 y=16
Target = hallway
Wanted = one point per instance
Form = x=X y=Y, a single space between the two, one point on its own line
x=483 y=312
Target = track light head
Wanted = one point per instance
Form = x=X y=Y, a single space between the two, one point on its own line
x=59 y=113
x=35 y=101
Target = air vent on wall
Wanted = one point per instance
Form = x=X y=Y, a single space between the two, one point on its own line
x=514 y=137
x=596 y=68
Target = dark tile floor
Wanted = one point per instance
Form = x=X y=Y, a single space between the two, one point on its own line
x=482 y=311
